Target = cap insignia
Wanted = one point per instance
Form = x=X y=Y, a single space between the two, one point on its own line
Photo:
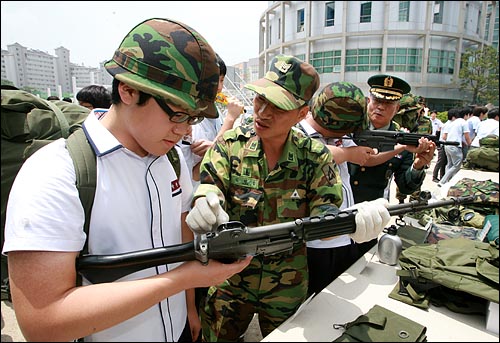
x=282 y=66
x=388 y=81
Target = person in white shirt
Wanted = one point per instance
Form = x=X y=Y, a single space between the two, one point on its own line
x=140 y=203
x=487 y=127
x=205 y=133
x=339 y=109
x=478 y=114
x=457 y=131
x=437 y=124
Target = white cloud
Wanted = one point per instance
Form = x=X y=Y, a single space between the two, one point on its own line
x=92 y=30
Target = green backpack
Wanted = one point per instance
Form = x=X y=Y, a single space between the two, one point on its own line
x=29 y=123
x=486 y=156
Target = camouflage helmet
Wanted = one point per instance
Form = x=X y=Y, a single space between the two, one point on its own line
x=289 y=84
x=410 y=102
x=408 y=113
x=340 y=107
x=170 y=60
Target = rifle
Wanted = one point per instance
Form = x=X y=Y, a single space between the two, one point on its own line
x=385 y=140
x=233 y=240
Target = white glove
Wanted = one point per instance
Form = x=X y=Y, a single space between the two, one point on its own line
x=206 y=213
x=371 y=219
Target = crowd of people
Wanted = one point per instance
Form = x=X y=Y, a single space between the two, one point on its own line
x=293 y=158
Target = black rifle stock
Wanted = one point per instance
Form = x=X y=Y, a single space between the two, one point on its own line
x=385 y=140
x=233 y=240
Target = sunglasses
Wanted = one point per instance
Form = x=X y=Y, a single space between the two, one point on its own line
x=178 y=116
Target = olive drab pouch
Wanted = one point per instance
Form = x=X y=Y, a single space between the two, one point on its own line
x=382 y=325
x=462 y=268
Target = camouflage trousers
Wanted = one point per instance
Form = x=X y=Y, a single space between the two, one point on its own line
x=272 y=286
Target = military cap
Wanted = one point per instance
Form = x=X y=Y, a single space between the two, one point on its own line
x=388 y=87
x=289 y=84
x=170 y=60
x=340 y=107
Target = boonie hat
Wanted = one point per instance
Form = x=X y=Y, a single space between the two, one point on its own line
x=388 y=87
x=340 y=107
x=170 y=60
x=289 y=84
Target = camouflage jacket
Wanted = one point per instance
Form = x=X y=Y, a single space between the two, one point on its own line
x=304 y=183
x=424 y=125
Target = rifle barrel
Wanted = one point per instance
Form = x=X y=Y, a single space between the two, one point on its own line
x=108 y=268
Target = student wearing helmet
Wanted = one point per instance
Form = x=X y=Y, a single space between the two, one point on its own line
x=338 y=110
x=165 y=79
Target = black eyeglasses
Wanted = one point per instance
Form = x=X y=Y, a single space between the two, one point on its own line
x=179 y=116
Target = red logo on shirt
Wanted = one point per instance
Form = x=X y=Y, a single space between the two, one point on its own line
x=176 y=187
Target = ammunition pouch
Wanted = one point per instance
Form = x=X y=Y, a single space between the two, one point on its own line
x=382 y=325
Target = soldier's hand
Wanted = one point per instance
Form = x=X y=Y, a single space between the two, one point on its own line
x=371 y=219
x=206 y=214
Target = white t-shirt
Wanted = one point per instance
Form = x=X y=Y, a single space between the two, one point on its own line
x=485 y=128
x=347 y=196
x=456 y=130
x=138 y=205
x=473 y=123
x=436 y=125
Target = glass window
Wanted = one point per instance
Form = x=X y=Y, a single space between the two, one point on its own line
x=404 y=11
x=441 y=62
x=438 y=12
x=366 y=12
x=330 y=13
x=363 y=60
x=404 y=59
x=300 y=20
x=324 y=61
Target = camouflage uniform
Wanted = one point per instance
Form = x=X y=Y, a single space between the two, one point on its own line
x=409 y=117
x=304 y=182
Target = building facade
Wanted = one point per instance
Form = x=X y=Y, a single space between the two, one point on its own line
x=419 y=41
x=49 y=74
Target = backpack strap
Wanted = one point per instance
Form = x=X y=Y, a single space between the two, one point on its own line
x=173 y=157
x=84 y=160
x=61 y=117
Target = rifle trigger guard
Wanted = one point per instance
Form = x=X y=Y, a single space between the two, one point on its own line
x=201 y=248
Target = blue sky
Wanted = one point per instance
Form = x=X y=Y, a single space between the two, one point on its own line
x=92 y=30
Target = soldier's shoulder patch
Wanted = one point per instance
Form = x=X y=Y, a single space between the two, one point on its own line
x=329 y=170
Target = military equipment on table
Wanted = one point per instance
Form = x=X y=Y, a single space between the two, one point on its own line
x=385 y=140
x=233 y=240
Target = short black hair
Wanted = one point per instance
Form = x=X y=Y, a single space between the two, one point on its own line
x=492 y=113
x=222 y=65
x=96 y=95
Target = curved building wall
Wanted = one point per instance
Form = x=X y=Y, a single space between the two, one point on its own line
x=420 y=42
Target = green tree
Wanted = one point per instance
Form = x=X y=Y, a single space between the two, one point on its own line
x=479 y=74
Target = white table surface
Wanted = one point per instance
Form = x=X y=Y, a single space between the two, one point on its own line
x=364 y=284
